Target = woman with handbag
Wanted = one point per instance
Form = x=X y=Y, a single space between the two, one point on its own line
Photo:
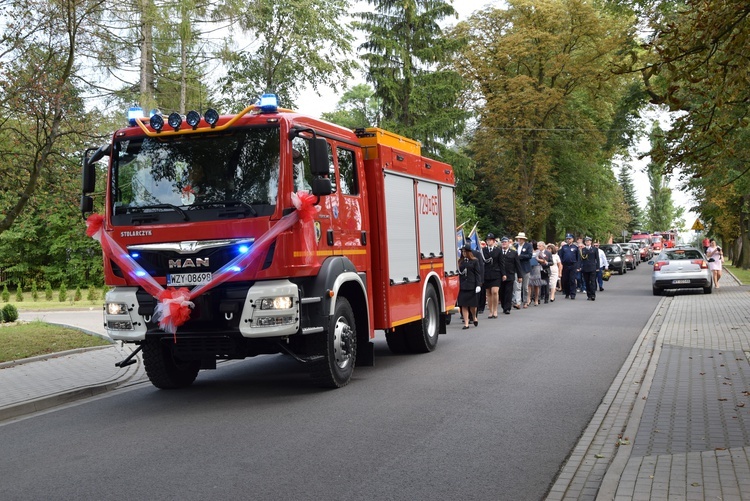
x=715 y=258
x=536 y=281
x=555 y=271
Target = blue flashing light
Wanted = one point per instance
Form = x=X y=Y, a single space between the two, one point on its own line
x=133 y=113
x=269 y=103
x=235 y=269
x=243 y=249
x=135 y=255
x=140 y=273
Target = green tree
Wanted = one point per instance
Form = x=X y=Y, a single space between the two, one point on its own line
x=314 y=46
x=62 y=294
x=661 y=213
x=48 y=292
x=358 y=107
x=93 y=294
x=696 y=64
x=34 y=291
x=630 y=198
x=6 y=293
x=38 y=69
x=19 y=293
x=541 y=71
x=407 y=59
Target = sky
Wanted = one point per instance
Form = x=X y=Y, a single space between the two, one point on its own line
x=312 y=104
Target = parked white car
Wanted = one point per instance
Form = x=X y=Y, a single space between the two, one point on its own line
x=681 y=268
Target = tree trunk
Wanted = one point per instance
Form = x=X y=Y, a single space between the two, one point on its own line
x=147 y=54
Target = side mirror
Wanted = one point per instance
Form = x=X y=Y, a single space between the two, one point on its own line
x=87 y=205
x=321 y=186
x=319 y=165
x=88 y=173
x=89 y=167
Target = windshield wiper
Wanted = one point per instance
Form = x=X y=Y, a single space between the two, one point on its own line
x=143 y=208
x=229 y=204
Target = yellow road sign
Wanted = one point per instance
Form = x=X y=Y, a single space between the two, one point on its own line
x=697 y=225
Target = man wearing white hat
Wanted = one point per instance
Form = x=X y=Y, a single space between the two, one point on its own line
x=525 y=253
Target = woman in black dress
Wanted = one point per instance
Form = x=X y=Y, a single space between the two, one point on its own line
x=470 y=284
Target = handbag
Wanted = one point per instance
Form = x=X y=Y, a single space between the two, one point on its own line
x=606 y=274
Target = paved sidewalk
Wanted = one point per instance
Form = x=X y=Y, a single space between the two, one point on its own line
x=675 y=423
x=40 y=383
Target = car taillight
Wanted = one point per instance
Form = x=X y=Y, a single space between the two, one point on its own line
x=703 y=264
x=659 y=264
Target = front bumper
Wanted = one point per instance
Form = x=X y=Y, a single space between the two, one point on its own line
x=681 y=282
x=257 y=319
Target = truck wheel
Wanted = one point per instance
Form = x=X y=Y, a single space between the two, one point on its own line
x=338 y=347
x=164 y=370
x=656 y=291
x=423 y=336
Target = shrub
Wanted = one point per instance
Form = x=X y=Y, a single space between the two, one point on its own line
x=77 y=296
x=2 y=317
x=10 y=313
x=92 y=295
x=6 y=293
x=62 y=294
x=34 y=291
x=48 y=292
x=19 y=293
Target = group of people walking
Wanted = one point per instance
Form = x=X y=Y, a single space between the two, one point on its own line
x=516 y=274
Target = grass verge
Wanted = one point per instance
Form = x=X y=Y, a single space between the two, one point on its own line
x=24 y=340
x=742 y=275
x=41 y=304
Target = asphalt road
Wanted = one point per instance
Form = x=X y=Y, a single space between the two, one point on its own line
x=491 y=414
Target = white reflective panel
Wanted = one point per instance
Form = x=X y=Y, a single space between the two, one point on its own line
x=447 y=206
x=428 y=211
x=400 y=215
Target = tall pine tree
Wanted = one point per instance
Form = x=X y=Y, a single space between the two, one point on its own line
x=630 y=199
x=407 y=60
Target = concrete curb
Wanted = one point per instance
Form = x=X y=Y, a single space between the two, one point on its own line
x=612 y=418
x=612 y=477
x=71 y=395
x=47 y=356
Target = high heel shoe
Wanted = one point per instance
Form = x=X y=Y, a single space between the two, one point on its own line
x=476 y=322
x=465 y=327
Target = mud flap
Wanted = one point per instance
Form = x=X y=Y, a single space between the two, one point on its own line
x=366 y=354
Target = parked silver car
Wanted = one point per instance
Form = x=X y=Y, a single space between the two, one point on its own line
x=681 y=268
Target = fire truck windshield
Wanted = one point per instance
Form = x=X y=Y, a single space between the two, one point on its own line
x=196 y=175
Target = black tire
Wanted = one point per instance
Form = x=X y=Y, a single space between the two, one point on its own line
x=621 y=271
x=423 y=336
x=708 y=290
x=164 y=370
x=656 y=291
x=339 y=348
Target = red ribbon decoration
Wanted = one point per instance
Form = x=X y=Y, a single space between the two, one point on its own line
x=175 y=305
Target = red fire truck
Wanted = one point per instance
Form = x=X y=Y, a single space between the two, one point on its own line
x=214 y=206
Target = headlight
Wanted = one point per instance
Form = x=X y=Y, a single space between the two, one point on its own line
x=276 y=303
x=117 y=308
x=617 y=258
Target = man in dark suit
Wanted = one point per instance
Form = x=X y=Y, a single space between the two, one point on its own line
x=511 y=274
x=589 y=267
x=570 y=257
